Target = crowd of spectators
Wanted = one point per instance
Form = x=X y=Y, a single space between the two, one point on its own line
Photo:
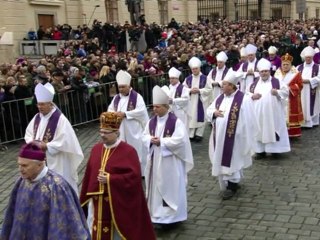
x=93 y=56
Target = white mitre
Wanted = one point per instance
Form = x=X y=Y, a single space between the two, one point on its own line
x=264 y=64
x=159 y=96
x=272 y=50
x=251 y=49
x=174 y=73
x=307 y=52
x=44 y=93
x=233 y=77
x=194 y=62
x=222 y=57
x=123 y=78
x=243 y=52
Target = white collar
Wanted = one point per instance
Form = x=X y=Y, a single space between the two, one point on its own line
x=125 y=96
x=49 y=114
x=232 y=94
x=175 y=86
x=164 y=117
x=113 y=145
x=41 y=174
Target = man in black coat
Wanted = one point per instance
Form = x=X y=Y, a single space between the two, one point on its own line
x=296 y=50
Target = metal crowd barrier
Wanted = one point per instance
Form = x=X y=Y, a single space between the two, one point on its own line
x=80 y=107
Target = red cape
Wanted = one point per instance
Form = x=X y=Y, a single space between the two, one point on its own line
x=128 y=206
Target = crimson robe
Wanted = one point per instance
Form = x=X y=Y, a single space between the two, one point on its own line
x=120 y=203
x=295 y=114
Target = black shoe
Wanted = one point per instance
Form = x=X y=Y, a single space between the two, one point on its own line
x=191 y=139
x=197 y=139
x=232 y=188
x=165 y=227
x=258 y=156
x=275 y=155
x=228 y=194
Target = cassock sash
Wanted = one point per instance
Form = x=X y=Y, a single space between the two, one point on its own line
x=246 y=64
x=214 y=73
x=202 y=84
x=274 y=82
x=133 y=95
x=231 y=126
x=51 y=126
x=169 y=127
x=315 y=71
x=178 y=91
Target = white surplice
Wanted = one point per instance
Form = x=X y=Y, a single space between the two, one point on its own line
x=244 y=139
x=286 y=79
x=64 y=153
x=132 y=126
x=205 y=95
x=271 y=117
x=310 y=121
x=246 y=81
x=180 y=104
x=166 y=173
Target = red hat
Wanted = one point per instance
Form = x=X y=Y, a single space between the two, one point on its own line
x=32 y=152
x=164 y=35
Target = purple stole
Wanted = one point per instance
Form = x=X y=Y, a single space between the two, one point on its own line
x=315 y=71
x=133 y=95
x=178 y=91
x=169 y=127
x=51 y=126
x=237 y=66
x=246 y=64
x=275 y=62
x=231 y=126
x=214 y=73
x=274 y=82
x=202 y=84
x=316 y=58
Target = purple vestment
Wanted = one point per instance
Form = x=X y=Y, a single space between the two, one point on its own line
x=45 y=209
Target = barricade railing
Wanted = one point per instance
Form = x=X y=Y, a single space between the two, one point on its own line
x=79 y=106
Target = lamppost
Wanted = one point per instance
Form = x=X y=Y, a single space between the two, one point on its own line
x=95 y=7
x=235 y=2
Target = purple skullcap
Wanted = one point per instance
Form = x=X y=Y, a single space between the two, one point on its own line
x=32 y=152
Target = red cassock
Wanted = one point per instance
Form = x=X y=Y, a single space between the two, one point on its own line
x=121 y=202
x=295 y=113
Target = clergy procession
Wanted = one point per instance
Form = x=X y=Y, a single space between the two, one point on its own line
x=136 y=178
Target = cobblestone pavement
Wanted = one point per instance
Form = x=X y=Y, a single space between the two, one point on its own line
x=278 y=199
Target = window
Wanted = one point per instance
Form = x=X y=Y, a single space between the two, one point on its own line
x=276 y=13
